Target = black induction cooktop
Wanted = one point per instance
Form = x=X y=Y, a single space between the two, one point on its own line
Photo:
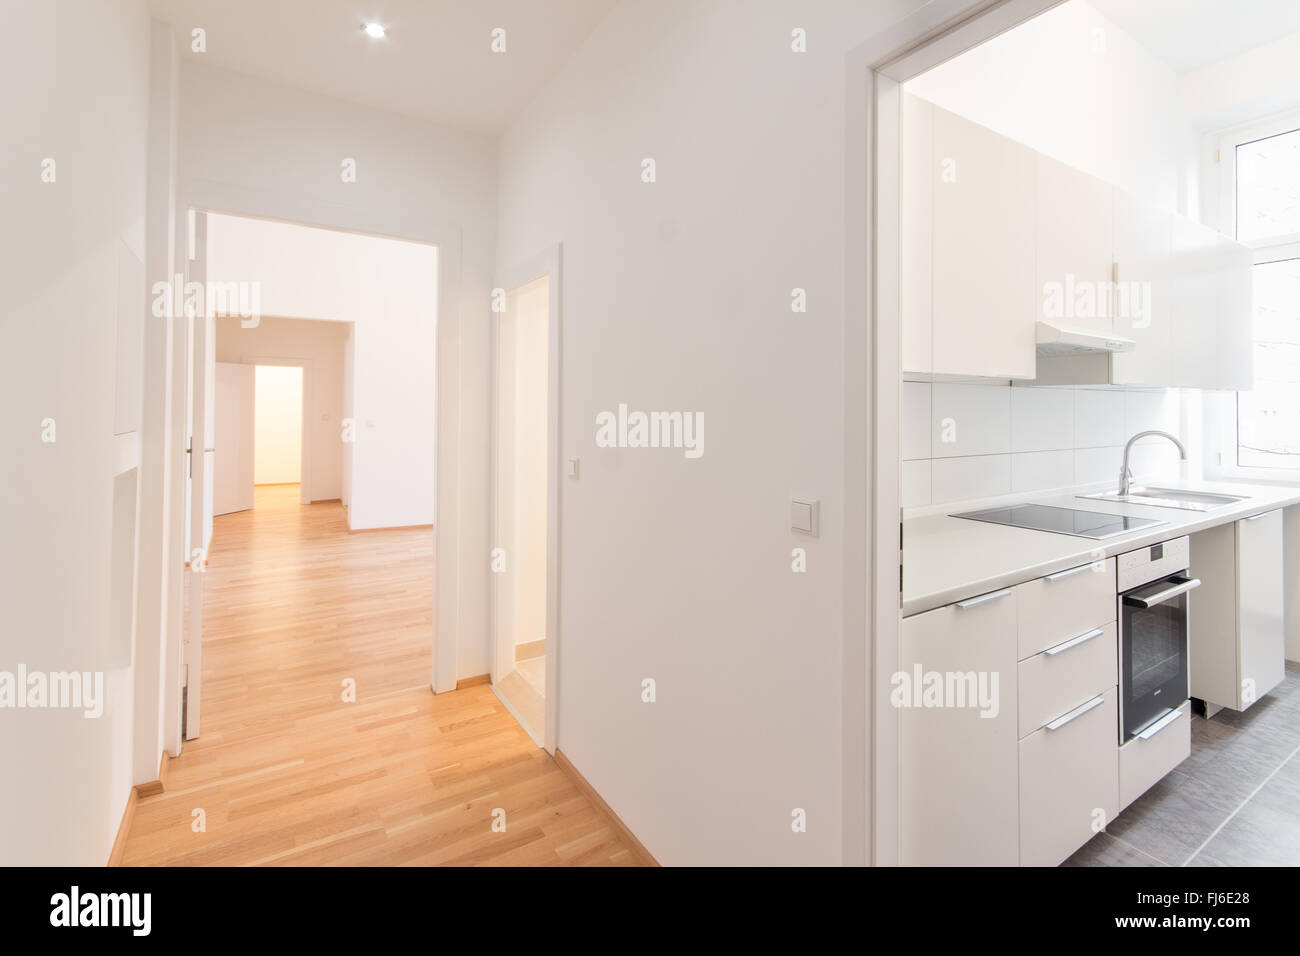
x=1081 y=524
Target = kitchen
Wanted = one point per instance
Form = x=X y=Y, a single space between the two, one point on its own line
x=1099 y=305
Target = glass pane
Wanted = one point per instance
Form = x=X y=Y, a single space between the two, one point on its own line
x=1268 y=418
x=1268 y=187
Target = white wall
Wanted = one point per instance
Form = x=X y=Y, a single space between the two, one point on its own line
x=82 y=70
x=676 y=296
x=1073 y=85
x=277 y=425
x=1025 y=439
x=255 y=147
x=321 y=345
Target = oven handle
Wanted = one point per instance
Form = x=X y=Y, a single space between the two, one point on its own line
x=1159 y=724
x=1160 y=597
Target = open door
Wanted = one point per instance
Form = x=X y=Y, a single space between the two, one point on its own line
x=200 y=464
x=233 y=439
x=525 y=508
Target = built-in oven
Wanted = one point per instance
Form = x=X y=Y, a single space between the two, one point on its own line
x=1153 y=584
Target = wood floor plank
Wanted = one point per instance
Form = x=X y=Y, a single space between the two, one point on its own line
x=288 y=773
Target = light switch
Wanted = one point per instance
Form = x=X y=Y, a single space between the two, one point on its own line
x=571 y=466
x=803 y=515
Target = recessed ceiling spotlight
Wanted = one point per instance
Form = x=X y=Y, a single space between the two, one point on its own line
x=374 y=30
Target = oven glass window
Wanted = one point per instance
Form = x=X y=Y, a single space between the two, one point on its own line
x=1158 y=647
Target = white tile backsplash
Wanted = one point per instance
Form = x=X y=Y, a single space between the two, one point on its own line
x=916 y=422
x=974 y=476
x=1097 y=464
x=1036 y=470
x=915 y=490
x=1027 y=439
x=1098 y=418
x=969 y=420
x=1042 y=419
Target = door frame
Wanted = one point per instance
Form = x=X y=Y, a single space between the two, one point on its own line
x=877 y=69
x=308 y=402
x=203 y=196
x=546 y=263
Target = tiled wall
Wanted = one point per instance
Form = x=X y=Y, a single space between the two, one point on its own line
x=964 y=441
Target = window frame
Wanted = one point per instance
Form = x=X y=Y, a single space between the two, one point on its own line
x=1221 y=420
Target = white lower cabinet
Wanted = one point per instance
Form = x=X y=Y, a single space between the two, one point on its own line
x=1236 y=618
x=1145 y=759
x=958 y=793
x=1069 y=781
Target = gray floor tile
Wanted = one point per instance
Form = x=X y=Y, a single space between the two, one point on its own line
x=1106 y=850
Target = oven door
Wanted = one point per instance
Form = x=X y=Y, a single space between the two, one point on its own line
x=1153 y=651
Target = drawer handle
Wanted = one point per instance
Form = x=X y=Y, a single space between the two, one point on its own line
x=1075 y=641
x=1079 y=711
x=984 y=598
x=1069 y=572
x=1156 y=726
x=1258 y=516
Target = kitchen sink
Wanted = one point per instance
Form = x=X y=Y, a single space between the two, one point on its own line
x=1168 y=498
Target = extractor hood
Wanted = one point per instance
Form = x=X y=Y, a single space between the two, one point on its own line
x=1057 y=340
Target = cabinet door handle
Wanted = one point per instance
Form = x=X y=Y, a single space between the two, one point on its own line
x=1075 y=641
x=1079 y=711
x=1069 y=572
x=1264 y=514
x=984 y=598
x=1156 y=726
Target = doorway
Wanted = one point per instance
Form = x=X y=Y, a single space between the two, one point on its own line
x=259 y=435
x=525 y=501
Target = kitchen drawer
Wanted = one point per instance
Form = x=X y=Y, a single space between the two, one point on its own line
x=1143 y=762
x=1069 y=783
x=1066 y=675
x=1064 y=605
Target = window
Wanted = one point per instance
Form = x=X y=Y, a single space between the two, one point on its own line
x=1264 y=166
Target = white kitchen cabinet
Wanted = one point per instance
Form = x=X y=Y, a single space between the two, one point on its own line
x=1236 y=619
x=1064 y=605
x=1073 y=247
x=983 y=305
x=916 y=234
x=1069 y=780
x=1143 y=251
x=958 y=777
x=1235 y=316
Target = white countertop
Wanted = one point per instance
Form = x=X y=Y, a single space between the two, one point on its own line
x=948 y=559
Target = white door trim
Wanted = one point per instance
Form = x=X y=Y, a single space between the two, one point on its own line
x=875 y=71
x=216 y=197
x=545 y=263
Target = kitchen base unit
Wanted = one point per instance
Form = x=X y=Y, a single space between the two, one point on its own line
x=1237 y=618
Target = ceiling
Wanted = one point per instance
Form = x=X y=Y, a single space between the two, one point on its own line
x=435 y=63
x=1188 y=34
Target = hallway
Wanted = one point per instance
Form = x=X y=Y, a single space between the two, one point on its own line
x=286 y=772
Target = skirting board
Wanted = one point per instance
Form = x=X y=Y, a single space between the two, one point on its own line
x=472 y=681
x=640 y=852
x=123 y=828
x=396 y=527
x=530 y=649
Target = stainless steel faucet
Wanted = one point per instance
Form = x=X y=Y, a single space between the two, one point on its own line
x=1126 y=476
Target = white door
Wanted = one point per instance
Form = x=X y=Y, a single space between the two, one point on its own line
x=200 y=463
x=233 y=439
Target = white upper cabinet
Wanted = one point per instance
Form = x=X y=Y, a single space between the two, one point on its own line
x=1073 y=237
x=916 y=216
x=995 y=237
x=1143 y=308
x=983 y=302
